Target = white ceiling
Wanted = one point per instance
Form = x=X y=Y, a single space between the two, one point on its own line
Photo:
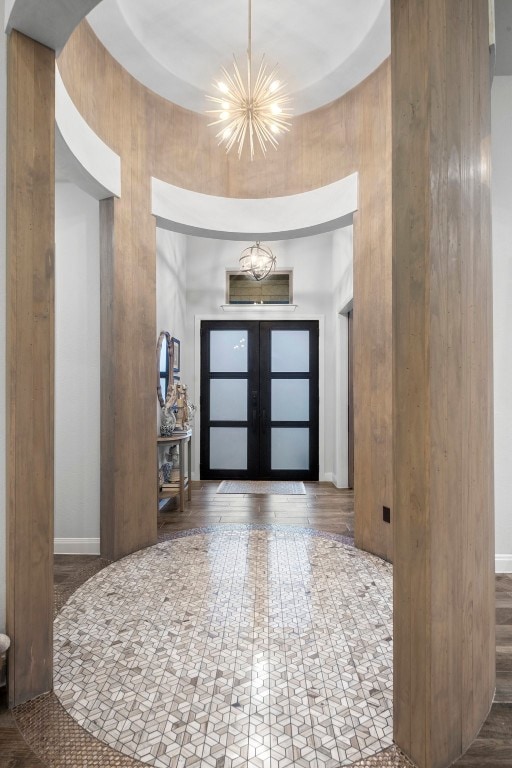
x=176 y=47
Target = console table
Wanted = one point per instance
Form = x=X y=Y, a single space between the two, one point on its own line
x=177 y=487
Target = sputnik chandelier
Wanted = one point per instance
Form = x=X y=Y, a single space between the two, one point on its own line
x=255 y=109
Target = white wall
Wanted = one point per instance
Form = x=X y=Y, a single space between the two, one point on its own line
x=3 y=532
x=77 y=371
x=311 y=259
x=342 y=280
x=171 y=251
x=502 y=284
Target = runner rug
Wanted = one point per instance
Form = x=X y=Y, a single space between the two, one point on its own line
x=264 y=487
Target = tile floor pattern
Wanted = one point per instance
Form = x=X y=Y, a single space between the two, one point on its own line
x=234 y=646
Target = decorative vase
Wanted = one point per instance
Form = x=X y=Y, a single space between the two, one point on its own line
x=167 y=422
x=166 y=470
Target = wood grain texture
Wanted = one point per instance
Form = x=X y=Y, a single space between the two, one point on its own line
x=30 y=363
x=372 y=341
x=128 y=333
x=442 y=325
x=351 y=134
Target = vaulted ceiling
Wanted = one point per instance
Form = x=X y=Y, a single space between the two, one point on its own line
x=176 y=47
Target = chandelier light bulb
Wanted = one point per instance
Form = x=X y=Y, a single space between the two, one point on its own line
x=252 y=108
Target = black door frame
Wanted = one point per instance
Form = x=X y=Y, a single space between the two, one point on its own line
x=258 y=421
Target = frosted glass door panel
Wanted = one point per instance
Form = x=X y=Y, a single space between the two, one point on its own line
x=228 y=351
x=289 y=352
x=290 y=448
x=228 y=400
x=290 y=400
x=228 y=448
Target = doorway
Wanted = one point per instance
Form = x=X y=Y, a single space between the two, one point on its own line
x=259 y=400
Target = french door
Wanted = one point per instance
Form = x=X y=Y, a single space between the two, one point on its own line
x=259 y=400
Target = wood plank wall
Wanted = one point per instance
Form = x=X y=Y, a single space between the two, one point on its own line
x=443 y=407
x=351 y=134
x=30 y=364
x=128 y=347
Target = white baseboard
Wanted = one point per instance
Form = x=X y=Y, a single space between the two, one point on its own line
x=327 y=477
x=76 y=546
x=503 y=563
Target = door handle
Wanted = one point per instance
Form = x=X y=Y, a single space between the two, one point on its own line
x=254 y=410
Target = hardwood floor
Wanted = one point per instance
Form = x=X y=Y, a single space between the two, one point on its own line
x=324 y=508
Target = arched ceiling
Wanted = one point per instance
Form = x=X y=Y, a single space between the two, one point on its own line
x=323 y=47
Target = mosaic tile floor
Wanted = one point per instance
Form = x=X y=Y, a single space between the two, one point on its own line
x=255 y=646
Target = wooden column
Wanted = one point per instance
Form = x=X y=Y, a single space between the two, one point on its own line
x=30 y=364
x=128 y=345
x=442 y=369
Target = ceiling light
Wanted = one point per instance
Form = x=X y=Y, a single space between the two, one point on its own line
x=258 y=108
x=258 y=261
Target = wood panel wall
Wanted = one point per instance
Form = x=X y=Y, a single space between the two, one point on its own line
x=351 y=134
x=30 y=364
x=128 y=347
x=443 y=407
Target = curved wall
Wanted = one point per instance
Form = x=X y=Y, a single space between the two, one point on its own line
x=155 y=138
x=323 y=146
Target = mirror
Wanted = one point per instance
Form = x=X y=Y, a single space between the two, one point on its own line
x=164 y=365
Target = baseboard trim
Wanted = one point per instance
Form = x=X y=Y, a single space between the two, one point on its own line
x=327 y=477
x=503 y=563
x=76 y=546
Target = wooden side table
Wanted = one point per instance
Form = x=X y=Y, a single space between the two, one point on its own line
x=183 y=484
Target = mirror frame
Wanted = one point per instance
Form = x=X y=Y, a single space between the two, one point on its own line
x=170 y=354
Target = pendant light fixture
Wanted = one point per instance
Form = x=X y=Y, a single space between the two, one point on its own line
x=254 y=109
x=258 y=261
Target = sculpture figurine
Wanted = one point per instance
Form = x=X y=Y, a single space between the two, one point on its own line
x=168 y=416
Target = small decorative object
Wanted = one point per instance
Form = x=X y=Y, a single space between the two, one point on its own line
x=4 y=647
x=168 y=416
x=166 y=470
x=191 y=409
x=173 y=456
x=182 y=408
x=161 y=479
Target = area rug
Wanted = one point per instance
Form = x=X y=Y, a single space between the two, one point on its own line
x=264 y=487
